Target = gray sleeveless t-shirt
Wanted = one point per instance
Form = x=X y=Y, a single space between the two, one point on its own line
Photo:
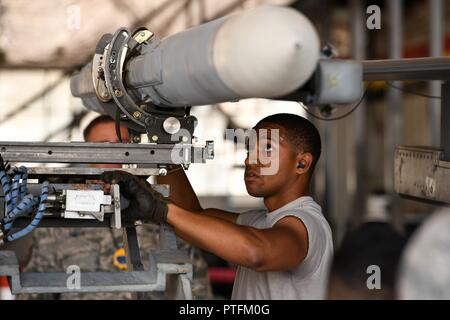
x=309 y=279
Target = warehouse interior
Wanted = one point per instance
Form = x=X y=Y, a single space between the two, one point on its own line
x=42 y=43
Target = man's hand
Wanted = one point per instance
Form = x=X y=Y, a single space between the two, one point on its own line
x=145 y=203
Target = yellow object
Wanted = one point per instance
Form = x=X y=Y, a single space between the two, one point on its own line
x=120 y=259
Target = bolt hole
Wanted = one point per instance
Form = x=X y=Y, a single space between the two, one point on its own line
x=152 y=152
x=127 y=154
x=50 y=152
x=3 y=149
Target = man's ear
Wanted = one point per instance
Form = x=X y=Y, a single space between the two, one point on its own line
x=304 y=162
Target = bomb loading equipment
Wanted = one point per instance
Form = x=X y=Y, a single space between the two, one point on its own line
x=149 y=85
x=76 y=200
x=421 y=173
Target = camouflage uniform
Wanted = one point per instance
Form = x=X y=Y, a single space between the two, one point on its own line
x=54 y=250
x=22 y=248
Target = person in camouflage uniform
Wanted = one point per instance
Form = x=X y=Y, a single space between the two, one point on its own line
x=55 y=249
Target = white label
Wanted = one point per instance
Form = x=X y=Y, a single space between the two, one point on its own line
x=84 y=200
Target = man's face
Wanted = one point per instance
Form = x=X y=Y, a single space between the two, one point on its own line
x=106 y=132
x=271 y=162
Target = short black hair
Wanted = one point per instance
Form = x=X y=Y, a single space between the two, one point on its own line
x=99 y=120
x=373 y=243
x=300 y=133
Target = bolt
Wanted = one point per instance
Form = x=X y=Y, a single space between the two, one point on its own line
x=172 y=125
x=149 y=122
x=142 y=34
x=136 y=139
x=163 y=172
x=118 y=93
x=185 y=139
x=138 y=223
x=136 y=115
x=155 y=138
x=100 y=70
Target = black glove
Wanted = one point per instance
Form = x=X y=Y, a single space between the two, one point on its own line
x=4 y=166
x=146 y=204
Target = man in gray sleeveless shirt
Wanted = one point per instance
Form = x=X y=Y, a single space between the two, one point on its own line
x=282 y=252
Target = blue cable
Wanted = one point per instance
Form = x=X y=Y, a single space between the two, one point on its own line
x=24 y=207
x=37 y=219
x=6 y=191
x=23 y=186
x=18 y=203
x=15 y=189
x=15 y=209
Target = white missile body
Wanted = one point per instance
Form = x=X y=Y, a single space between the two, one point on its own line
x=266 y=52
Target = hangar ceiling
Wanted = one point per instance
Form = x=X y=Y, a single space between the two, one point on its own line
x=63 y=33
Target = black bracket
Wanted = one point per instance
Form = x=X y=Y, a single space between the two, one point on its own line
x=122 y=46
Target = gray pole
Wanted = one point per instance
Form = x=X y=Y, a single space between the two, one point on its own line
x=436 y=50
x=359 y=152
x=394 y=111
x=344 y=149
x=394 y=121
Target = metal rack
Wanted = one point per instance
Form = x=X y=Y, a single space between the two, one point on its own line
x=420 y=172
x=170 y=270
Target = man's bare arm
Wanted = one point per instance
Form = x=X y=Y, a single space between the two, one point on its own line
x=183 y=195
x=279 y=248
